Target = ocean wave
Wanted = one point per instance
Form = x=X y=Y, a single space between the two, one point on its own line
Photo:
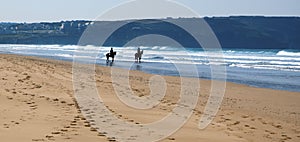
x=285 y=63
x=286 y=53
x=269 y=59
x=267 y=67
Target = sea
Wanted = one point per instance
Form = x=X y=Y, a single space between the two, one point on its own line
x=263 y=68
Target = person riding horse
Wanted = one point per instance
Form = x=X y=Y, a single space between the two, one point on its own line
x=138 y=55
x=111 y=54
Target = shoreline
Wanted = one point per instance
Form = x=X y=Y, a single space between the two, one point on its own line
x=37 y=96
x=153 y=72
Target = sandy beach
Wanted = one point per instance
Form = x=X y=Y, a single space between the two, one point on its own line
x=37 y=104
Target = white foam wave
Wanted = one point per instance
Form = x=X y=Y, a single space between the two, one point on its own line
x=286 y=53
x=282 y=60
x=269 y=67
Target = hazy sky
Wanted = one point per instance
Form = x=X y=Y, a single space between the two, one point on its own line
x=58 y=10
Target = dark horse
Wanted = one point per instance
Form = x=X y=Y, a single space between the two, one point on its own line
x=112 y=55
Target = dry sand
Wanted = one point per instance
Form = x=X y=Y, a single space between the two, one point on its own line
x=37 y=104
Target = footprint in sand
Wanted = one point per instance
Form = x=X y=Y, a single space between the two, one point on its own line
x=171 y=139
x=250 y=127
x=229 y=129
x=10 y=124
x=38 y=140
x=65 y=130
x=245 y=116
x=101 y=135
x=262 y=121
x=93 y=129
x=56 y=133
x=285 y=137
x=73 y=123
x=111 y=139
x=236 y=123
x=270 y=132
x=278 y=126
x=5 y=126
x=50 y=137
x=10 y=98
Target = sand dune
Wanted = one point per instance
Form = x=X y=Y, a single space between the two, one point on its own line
x=37 y=104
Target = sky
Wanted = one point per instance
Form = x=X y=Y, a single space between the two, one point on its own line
x=62 y=10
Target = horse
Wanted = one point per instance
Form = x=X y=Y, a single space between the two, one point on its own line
x=111 y=55
x=138 y=56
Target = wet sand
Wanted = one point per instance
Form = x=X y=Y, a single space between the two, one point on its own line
x=37 y=104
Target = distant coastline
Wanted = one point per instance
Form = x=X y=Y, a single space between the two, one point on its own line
x=237 y=32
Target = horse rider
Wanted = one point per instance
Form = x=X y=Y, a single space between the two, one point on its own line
x=139 y=51
x=111 y=52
